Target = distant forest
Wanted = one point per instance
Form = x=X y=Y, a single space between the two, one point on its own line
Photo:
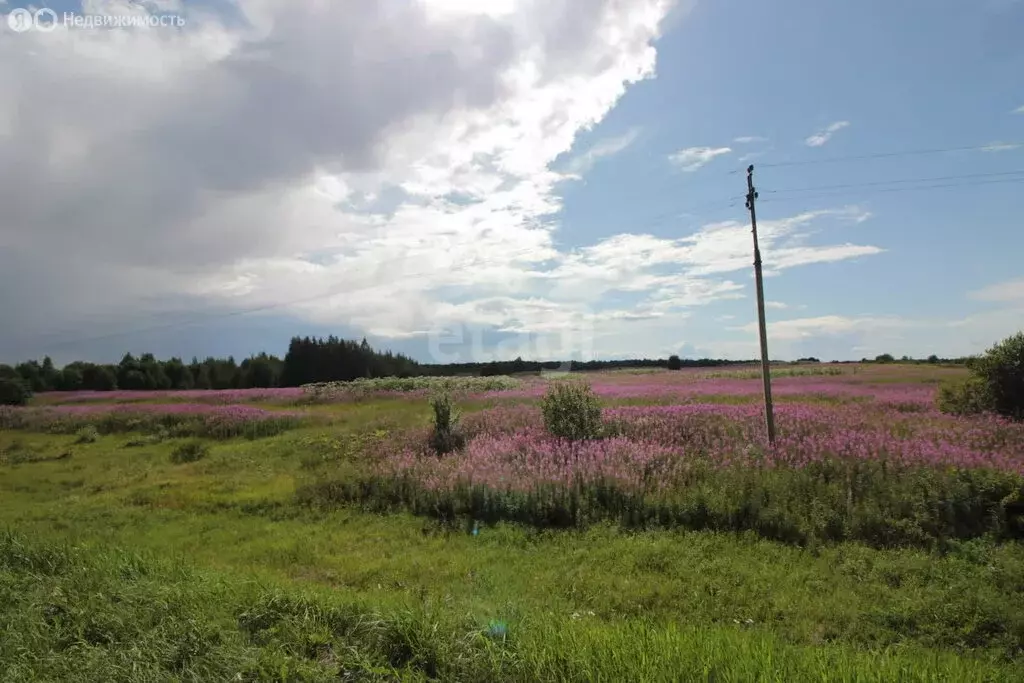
x=307 y=361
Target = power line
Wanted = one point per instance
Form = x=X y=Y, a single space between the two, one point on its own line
x=833 y=193
x=888 y=182
x=888 y=155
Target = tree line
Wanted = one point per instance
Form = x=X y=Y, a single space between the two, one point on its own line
x=307 y=360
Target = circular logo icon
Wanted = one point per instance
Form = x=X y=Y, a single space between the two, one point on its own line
x=46 y=19
x=20 y=20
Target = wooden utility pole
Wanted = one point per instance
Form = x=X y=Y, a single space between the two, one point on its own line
x=769 y=417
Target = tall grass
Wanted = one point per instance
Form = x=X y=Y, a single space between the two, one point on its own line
x=86 y=615
x=826 y=502
x=361 y=387
x=777 y=373
x=207 y=421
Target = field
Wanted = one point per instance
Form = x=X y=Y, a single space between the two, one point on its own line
x=309 y=535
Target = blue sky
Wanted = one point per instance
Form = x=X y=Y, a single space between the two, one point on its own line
x=903 y=79
x=536 y=179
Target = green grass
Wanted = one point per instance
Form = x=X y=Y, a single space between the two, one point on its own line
x=779 y=372
x=176 y=424
x=823 y=502
x=101 y=615
x=124 y=565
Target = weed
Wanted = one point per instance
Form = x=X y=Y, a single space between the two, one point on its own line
x=190 y=451
x=87 y=434
x=446 y=433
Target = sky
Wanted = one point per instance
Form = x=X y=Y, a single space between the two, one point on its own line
x=550 y=179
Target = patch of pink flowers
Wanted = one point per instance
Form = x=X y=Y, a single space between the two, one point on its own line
x=222 y=396
x=683 y=386
x=238 y=412
x=530 y=458
x=654 y=447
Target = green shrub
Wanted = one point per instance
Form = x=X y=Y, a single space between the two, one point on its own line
x=446 y=435
x=996 y=383
x=190 y=451
x=87 y=434
x=13 y=392
x=1001 y=369
x=674 y=363
x=571 y=411
x=964 y=397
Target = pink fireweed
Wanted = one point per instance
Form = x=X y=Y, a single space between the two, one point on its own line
x=200 y=419
x=531 y=458
x=812 y=433
x=685 y=387
x=221 y=396
x=240 y=412
x=654 y=447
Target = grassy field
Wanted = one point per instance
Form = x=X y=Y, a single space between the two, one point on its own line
x=875 y=544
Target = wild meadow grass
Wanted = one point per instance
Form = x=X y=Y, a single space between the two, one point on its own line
x=363 y=387
x=878 y=541
x=318 y=392
x=174 y=419
x=879 y=475
x=75 y=613
x=216 y=396
x=780 y=372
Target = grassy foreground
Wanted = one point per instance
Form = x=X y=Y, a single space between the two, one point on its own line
x=119 y=563
x=109 y=615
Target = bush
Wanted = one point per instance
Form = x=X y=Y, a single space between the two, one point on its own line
x=571 y=411
x=674 y=363
x=996 y=383
x=446 y=435
x=964 y=397
x=13 y=392
x=190 y=451
x=87 y=434
x=1001 y=369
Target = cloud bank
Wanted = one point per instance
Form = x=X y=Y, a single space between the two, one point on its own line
x=387 y=167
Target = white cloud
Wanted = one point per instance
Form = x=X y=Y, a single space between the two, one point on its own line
x=801 y=328
x=693 y=158
x=979 y=331
x=726 y=247
x=1000 y=147
x=823 y=136
x=393 y=167
x=776 y=305
x=342 y=163
x=1011 y=290
x=602 y=148
x=846 y=336
x=747 y=139
x=713 y=250
x=1019 y=110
